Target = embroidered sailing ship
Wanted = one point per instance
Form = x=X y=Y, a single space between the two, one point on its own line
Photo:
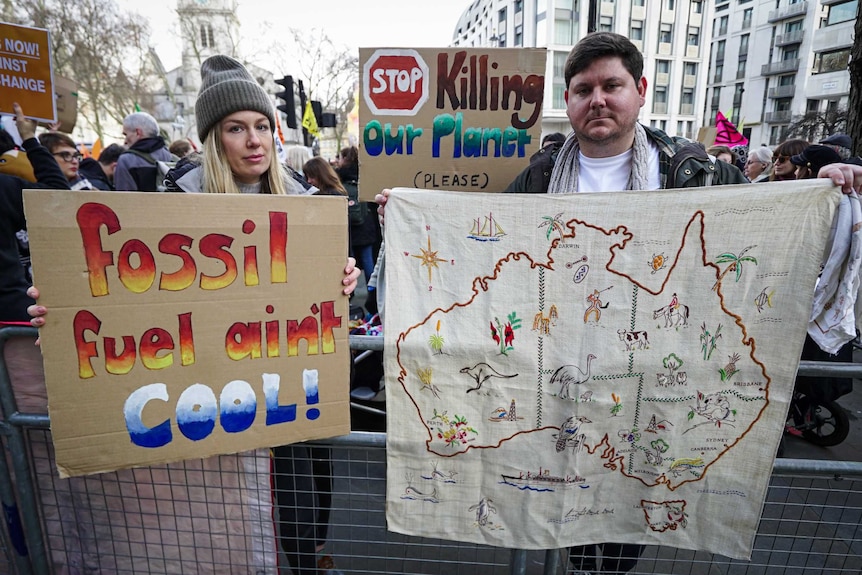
x=541 y=481
x=487 y=230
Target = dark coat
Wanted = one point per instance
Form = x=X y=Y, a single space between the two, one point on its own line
x=134 y=173
x=368 y=232
x=92 y=170
x=13 y=276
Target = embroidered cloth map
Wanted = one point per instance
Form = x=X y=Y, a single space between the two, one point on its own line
x=594 y=367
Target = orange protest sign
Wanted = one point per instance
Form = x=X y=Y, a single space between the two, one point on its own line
x=25 y=72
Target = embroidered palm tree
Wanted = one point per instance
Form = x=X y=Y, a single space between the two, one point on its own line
x=436 y=341
x=735 y=262
x=553 y=224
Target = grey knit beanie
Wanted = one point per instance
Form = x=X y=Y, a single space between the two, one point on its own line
x=227 y=87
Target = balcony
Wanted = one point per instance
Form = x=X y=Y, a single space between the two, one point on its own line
x=794 y=37
x=782 y=91
x=788 y=12
x=782 y=117
x=781 y=67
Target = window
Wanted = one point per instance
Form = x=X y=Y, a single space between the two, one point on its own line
x=662 y=67
x=690 y=69
x=716 y=97
x=720 y=26
x=179 y=81
x=519 y=6
x=207 y=38
x=686 y=105
x=671 y=4
x=606 y=24
x=794 y=26
x=665 y=35
x=565 y=28
x=693 y=36
x=719 y=73
x=743 y=44
x=719 y=51
x=740 y=68
x=836 y=61
x=659 y=102
x=501 y=15
x=747 y=15
x=842 y=12
x=637 y=30
x=637 y=2
x=812 y=106
x=790 y=53
x=519 y=39
x=697 y=6
x=787 y=80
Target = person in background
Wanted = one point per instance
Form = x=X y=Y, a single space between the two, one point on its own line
x=137 y=168
x=63 y=148
x=296 y=156
x=101 y=172
x=740 y=152
x=536 y=177
x=758 y=168
x=180 y=148
x=15 y=277
x=365 y=237
x=810 y=160
x=320 y=174
x=840 y=143
x=722 y=153
x=782 y=168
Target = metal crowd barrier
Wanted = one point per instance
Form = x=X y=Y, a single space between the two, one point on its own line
x=810 y=522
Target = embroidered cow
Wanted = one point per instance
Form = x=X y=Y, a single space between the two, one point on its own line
x=634 y=339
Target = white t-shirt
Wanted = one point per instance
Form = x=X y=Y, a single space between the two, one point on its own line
x=612 y=174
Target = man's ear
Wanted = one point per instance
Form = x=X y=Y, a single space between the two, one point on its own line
x=642 y=86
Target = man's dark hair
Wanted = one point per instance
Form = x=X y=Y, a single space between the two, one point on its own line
x=602 y=45
x=111 y=154
x=7 y=142
x=53 y=140
x=553 y=137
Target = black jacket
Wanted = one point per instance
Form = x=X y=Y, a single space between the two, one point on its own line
x=92 y=170
x=13 y=280
x=368 y=232
x=134 y=173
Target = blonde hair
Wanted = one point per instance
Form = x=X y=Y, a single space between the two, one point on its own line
x=218 y=179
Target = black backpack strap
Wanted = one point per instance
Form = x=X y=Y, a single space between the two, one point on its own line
x=149 y=159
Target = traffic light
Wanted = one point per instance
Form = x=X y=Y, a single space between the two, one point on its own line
x=289 y=106
x=324 y=119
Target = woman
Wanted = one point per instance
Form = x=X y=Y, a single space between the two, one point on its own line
x=809 y=162
x=722 y=153
x=758 y=168
x=782 y=168
x=320 y=174
x=235 y=122
x=365 y=235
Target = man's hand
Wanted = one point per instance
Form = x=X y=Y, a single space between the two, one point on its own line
x=381 y=200
x=26 y=128
x=848 y=176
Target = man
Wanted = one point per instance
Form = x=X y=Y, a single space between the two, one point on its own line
x=63 y=148
x=610 y=150
x=137 y=168
x=101 y=172
x=841 y=143
x=537 y=175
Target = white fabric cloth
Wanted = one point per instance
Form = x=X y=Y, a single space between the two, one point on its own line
x=573 y=369
x=836 y=309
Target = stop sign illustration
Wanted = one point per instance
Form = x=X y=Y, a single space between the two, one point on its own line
x=395 y=82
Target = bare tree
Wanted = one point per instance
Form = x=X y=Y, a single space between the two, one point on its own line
x=329 y=73
x=102 y=49
x=854 y=115
x=814 y=126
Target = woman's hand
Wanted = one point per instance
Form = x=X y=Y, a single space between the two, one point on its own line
x=381 y=200
x=36 y=312
x=848 y=176
x=351 y=274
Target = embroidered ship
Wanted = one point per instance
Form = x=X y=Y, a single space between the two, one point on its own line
x=541 y=481
x=487 y=230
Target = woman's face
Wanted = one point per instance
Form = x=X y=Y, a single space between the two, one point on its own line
x=247 y=141
x=312 y=180
x=753 y=168
x=725 y=157
x=783 y=166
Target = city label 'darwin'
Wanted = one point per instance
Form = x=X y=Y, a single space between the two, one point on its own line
x=192 y=333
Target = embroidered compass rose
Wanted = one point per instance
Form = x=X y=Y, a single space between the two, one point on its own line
x=429 y=258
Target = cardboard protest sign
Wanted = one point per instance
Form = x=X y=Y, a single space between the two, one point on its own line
x=448 y=118
x=189 y=325
x=25 y=72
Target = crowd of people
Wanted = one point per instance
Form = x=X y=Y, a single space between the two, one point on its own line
x=607 y=150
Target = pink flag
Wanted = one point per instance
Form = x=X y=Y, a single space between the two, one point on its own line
x=726 y=133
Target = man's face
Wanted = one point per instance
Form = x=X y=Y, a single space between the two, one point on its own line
x=602 y=103
x=132 y=135
x=69 y=159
